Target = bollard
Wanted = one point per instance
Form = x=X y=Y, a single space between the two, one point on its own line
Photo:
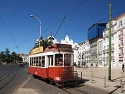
x=81 y=76
x=104 y=82
x=91 y=77
x=121 y=85
x=76 y=79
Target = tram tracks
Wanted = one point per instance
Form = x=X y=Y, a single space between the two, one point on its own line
x=7 y=79
x=73 y=91
x=84 y=89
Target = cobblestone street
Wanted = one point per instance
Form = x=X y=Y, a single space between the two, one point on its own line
x=96 y=77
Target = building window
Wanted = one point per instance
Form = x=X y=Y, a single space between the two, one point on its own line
x=107 y=39
x=120 y=23
x=112 y=37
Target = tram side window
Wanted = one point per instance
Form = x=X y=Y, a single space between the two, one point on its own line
x=58 y=59
x=39 y=61
x=43 y=61
x=31 y=61
x=67 y=59
x=50 y=57
x=36 y=61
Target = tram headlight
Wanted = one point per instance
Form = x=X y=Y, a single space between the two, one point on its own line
x=57 y=78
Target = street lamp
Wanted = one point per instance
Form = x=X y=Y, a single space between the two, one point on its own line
x=40 y=24
x=40 y=27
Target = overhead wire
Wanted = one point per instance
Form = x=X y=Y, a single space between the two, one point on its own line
x=97 y=22
x=76 y=7
x=37 y=8
x=66 y=14
x=9 y=32
x=51 y=25
x=60 y=26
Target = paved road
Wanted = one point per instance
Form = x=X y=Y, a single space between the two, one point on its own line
x=98 y=77
x=43 y=88
x=16 y=80
x=12 y=77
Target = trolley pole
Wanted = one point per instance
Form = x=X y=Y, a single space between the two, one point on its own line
x=110 y=18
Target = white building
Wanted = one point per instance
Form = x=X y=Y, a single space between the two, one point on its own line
x=52 y=39
x=114 y=45
x=100 y=52
x=75 y=47
x=120 y=28
x=85 y=53
x=25 y=57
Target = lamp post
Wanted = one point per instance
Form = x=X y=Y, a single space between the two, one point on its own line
x=40 y=27
x=110 y=19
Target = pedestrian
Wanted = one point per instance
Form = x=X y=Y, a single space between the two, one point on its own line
x=92 y=65
x=123 y=67
x=78 y=64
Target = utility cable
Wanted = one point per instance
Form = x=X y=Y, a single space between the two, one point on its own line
x=60 y=26
x=9 y=32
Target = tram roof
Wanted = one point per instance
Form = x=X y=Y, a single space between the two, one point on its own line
x=56 y=48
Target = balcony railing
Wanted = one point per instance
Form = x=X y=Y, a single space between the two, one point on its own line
x=121 y=44
x=112 y=57
x=121 y=35
x=121 y=54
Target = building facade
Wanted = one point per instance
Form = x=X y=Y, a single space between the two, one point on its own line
x=95 y=32
x=117 y=42
x=75 y=47
x=121 y=39
x=86 y=53
x=25 y=57
x=100 y=52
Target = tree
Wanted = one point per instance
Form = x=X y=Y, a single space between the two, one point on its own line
x=45 y=43
x=19 y=58
x=7 y=55
x=13 y=56
x=2 y=57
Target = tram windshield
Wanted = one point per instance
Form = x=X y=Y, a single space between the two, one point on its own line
x=59 y=61
x=67 y=59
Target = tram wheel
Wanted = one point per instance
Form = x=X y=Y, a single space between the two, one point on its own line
x=35 y=76
x=47 y=81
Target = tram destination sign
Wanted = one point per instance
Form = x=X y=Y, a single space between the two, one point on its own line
x=65 y=46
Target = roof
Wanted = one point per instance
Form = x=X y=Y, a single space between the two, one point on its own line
x=95 y=24
x=120 y=16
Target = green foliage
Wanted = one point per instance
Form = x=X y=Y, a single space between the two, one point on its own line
x=6 y=57
x=43 y=42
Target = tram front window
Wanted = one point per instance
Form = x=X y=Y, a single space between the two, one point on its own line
x=67 y=59
x=58 y=59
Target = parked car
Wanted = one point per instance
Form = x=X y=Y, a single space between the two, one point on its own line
x=21 y=65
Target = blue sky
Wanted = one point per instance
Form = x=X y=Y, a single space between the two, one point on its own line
x=19 y=31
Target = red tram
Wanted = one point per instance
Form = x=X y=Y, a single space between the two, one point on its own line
x=54 y=64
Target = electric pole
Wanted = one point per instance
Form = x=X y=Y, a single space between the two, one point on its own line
x=110 y=24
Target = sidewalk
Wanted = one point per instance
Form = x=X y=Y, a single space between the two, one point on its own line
x=99 y=74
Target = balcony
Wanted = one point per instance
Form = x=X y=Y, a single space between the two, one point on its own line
x=121 y=36
x=112 y=48
x=107 y=50
x=103 y=51
x=121 y=44
x=112 y=57
x=103 y=58
x=121 y=54
x=106 y=35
